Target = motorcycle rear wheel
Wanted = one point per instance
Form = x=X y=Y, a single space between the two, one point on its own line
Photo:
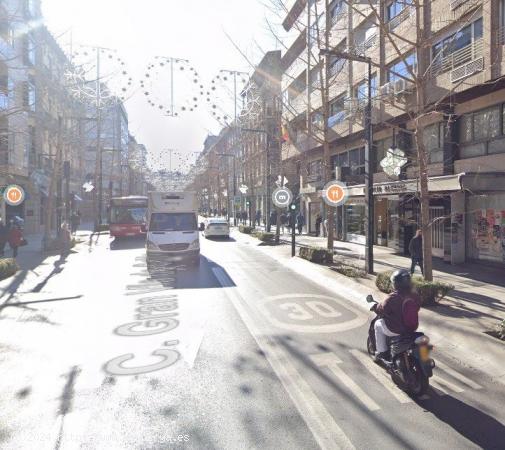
x=370 y=346
x=421 y=384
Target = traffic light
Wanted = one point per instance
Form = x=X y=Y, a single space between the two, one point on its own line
x=292 y=207
x=248 y=203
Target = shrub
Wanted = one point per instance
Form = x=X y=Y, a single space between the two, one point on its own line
x=431 y=292
x=349 y=271
x=316 y=254
x=383 y=282
x=265 y=236
x=8 y=267
x=245 y=229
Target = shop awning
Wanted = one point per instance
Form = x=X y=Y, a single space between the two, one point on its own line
x=446 y=183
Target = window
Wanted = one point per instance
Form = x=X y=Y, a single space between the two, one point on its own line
x=315 y=78
x=357 y=161
x=29 y=94
x=4 y=146
x=481 y=132
x=315 y=170
x=336 y=65
x=173 y=222
x=455 y=42
x=402 y=68
x=337 y=111
x=381 y=148
x=337 y=9
x=433 y=138
x=29 y=50
x=362 y=88
x=7 y=32
x=396 y=7
x=5 y=89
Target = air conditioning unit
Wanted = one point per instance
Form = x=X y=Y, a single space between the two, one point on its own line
x=471 y=67
x=403 y=87
x=387 y=90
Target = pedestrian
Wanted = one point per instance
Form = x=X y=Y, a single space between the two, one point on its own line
x=15 y=239
x=258 y=217
x=325 y=227
x=319 y=220
x=416 y=252
x=273 y=219
x=65 y=239
x=244 y=217
x=4 y=234
x=284 y=221
x=75 y=221
x=300 y=222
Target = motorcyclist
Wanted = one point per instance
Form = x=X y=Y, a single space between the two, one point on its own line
x=399 y=312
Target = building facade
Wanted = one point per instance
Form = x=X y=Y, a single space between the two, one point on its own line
x=443 y=89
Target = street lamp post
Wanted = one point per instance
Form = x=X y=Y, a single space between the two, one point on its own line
x=232 y=155
x=369 y=167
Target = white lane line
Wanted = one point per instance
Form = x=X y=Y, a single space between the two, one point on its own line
x=439 y=390
x=326 y=432
x=447 y=384
x=381 y=376
x=331 y=361
x=458 y=376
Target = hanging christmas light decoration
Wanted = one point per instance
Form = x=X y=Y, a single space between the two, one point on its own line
x=164 y=80
x=89 y=64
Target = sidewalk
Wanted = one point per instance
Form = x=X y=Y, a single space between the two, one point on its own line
x=34 y=265
x=458 y=324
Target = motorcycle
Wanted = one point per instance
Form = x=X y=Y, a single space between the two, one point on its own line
x=409 y=362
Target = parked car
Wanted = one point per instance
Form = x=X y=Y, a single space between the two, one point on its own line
x=217 y=228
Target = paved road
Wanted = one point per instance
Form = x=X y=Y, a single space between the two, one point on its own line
x=247 y=354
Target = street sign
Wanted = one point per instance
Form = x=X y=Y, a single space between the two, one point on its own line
x=282 y=197
x=14 y=195
x=278 y=182
x=335 y=193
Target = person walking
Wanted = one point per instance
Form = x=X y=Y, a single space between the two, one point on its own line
x=258 y=217
x=416 y=252
x=273 y=219
x=244 y=217
x=284 y=220
x=65 y=239
x=300 y=222
x=15 y=239
x=319 y=220
x=75 y=221
x=4 y=234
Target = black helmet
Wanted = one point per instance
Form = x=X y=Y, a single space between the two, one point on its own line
x=401 y=279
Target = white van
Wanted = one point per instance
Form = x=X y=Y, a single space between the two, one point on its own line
x=172 y=227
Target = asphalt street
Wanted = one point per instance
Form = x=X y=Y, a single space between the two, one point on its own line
x=240 y=353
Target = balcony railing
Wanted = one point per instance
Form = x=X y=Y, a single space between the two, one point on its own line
x=457 y=59
x=398 y=19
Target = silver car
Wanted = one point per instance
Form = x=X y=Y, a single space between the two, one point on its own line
x=217 y=228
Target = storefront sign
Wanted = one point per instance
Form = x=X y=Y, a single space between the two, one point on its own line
x=335 y=193
x=14 y=195
x=435 y=184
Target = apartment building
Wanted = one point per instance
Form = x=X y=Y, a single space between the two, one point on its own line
x=39 y=119
x=446 y=83
x=259 y=135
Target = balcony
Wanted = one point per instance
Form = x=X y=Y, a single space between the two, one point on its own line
x=461 y=63
x=401 y=17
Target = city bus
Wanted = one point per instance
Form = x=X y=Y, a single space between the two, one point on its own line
x=128 y=216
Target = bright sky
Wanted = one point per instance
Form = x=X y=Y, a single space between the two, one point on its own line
x=190 y=29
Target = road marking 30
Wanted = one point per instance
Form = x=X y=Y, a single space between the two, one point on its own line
x=332 y=361
x=381 y=376
x=320 y=422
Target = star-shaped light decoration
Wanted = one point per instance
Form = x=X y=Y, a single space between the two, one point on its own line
x=394 y=161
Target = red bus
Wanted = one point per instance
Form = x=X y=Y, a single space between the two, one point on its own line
x=128 y=216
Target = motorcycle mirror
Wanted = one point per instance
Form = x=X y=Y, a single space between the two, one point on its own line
x=370 y=299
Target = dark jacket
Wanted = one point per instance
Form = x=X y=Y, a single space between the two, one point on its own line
x=400 y=312
x=416 y=247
